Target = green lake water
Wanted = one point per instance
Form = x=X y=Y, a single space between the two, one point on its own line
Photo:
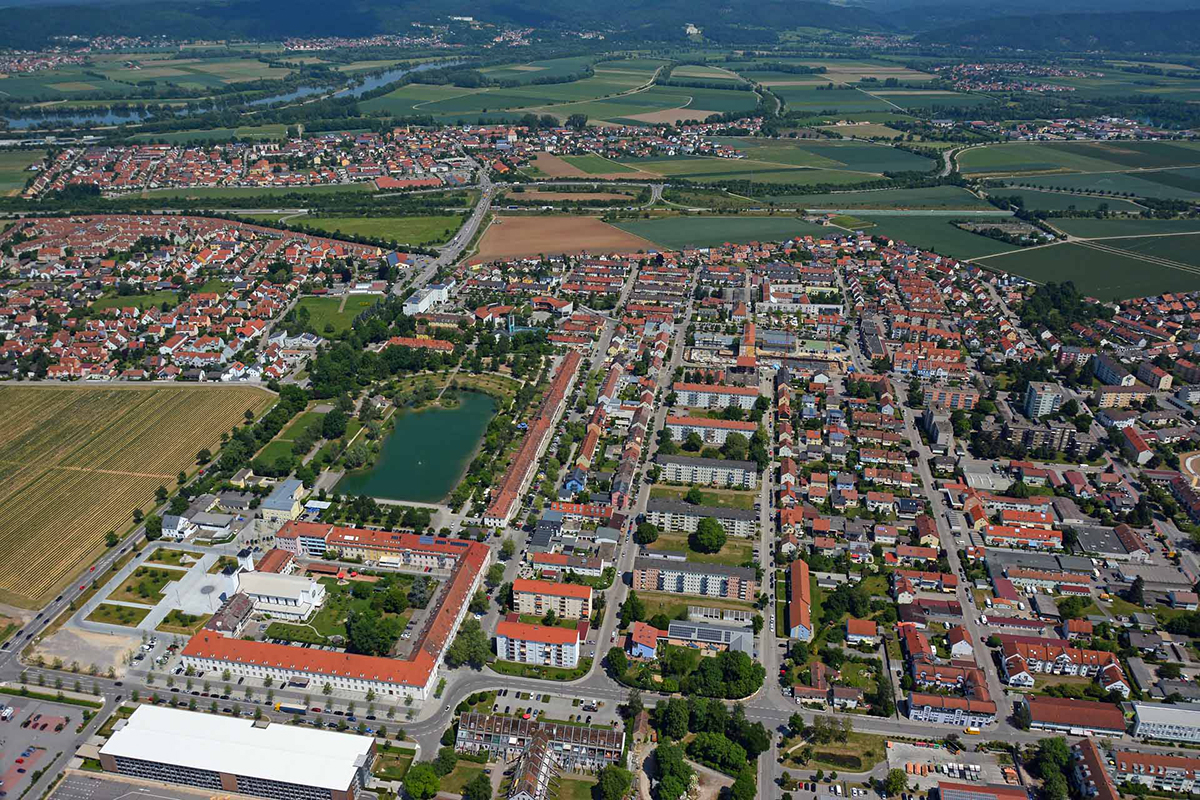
x=427 y=452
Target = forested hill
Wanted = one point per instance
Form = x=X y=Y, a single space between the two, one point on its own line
x=1164 y=32
x=657 y=20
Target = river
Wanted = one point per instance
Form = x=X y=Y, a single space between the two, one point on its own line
x=427 y=452
x=109 y=117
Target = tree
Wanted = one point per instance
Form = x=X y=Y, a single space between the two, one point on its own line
x=111 y=539
x=160 y=494
x=618 y=662
x=1137 y=592
x=577 y=121
x=368 y=633
x=153 y=527
x=757 y=624
x=746 y=785
x=334 y=424
x=612 y=783
x=895 y=782
x=508 y=548
x=646 y=533
x=203 y=457
x=470 y=646
x=694 y=496
x=709 y=536
x=421 y=781
x=478 y=788
x=495 y=574
x=550 y=618
x=632 y=610
x=445 y=761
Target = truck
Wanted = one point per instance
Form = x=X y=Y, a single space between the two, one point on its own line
x=972 y=730
x=286 y=709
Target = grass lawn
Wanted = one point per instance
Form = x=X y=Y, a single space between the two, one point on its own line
x=118 y=615
x=859 y=753
x=178 y=621
x=419 y=230
x=736 y=551
x=140 y=301
x=301 y=424
x=544 y=673
x=673 y=604
x=174 y=558
x=575 y=789
x=464 y=772
x=391 y=765
x=1121 y=606
x=721 y=498
x=146 y=585
x=124 y=712
x=221 y=563
x=534 y=619
x=324 y=314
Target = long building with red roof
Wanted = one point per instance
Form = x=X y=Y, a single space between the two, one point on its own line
x=414 y=676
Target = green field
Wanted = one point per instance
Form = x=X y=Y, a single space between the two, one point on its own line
x=720 y=498
x=421 y=230
x=113 y=614
x=1060 y=201
x=934 y=197
x=411 y=99
x=832 y=102
x=678 y=232
x=935 y=232
x=14 y=169
x=1142 y=184
x=1102 y=274
x=116 y=75
x=323 y=311
x=596 y=165
x=274 y=131
x=1026 y=157
x=155 y=299
x=530 y=70
x=856 y=156
x=1099 y=228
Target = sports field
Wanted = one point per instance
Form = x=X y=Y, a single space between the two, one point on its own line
x=420 y=230
x=325 y=315
x=518 y=237
x=76 y=462
x=678 y=232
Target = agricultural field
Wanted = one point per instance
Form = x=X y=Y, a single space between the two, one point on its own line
x=818 y=100
x=934 y=197
x=515 y=237
x=678 y=232
x=75 y=462
x=14 y=169
x=831 y=154
x=1028 y=157
x=1101 y=270
x=115 y=75
x=531 y=70
x=864 y=131
x=933 y=99
x=412 y=99
x=935 y=232
x=550 y=196
x=592 y=164
x=1036 y=200
x=695 y=72
x=419 y=230
x=335 y=312
x=1102 y=228
x=1154 y=185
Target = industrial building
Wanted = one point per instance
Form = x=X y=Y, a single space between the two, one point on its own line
x=231 y=754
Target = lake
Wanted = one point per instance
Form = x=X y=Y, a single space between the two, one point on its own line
x=427 y=452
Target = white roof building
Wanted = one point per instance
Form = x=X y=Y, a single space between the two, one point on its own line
x=286 y=596
x=252 y=758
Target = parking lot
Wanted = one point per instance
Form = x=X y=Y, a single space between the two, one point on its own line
x=32 y=736
x=939 y=764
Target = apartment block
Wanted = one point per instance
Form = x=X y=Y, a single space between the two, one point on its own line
x=708 y=471
x=701 y=395
x=672 y=515
x=682 y=577
x=1042 y=398
x=544 y=645
x=566 y=600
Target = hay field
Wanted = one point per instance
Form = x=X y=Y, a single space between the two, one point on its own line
x=520 y=237
x=76 y=461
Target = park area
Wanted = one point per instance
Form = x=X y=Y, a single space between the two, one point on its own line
x=404 y=592
x=332 y=315
x=523 y=237
x=75 y=463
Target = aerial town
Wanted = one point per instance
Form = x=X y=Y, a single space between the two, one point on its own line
x=497 y=406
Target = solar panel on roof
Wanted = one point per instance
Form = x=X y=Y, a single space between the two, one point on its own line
x=459 y=543
x=426 y=540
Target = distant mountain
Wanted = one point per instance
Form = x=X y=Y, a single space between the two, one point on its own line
x=32 y=21
x=1158 y=31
